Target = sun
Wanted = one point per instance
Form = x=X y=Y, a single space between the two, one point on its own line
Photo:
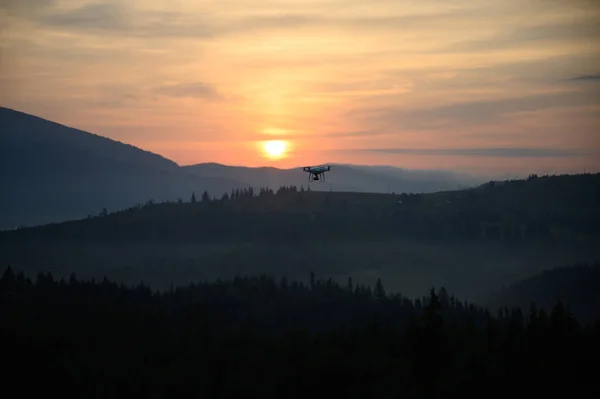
x=275 y=148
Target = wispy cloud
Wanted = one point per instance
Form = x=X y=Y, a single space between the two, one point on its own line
x=203 y=22
x=469 y=113
x=587 y=78
x=317 y=136
x=120 y=18
x=482 y=152
x=95 y=16
x=190 y=90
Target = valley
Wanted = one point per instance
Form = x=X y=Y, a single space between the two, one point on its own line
x=465 y=240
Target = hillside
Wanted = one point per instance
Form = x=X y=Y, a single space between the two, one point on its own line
x=33 y=136
x=50 y=172
x=576 y=286
x=350 y=178
x=558 y=207
x=471 y=241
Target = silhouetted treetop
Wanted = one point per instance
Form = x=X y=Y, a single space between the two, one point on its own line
x=228 y=337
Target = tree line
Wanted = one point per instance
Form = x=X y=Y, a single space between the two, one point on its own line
x=560 y=209
x=261 y=337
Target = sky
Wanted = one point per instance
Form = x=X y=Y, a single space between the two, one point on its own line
x=487 y=86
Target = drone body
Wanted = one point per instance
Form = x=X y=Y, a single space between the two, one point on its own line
x=316 y=173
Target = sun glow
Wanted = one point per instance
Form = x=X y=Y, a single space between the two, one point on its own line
x=275 y=149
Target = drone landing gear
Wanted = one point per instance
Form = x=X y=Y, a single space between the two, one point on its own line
x=315 y=177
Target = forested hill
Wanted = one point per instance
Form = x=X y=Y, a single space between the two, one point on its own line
x=575 y=191
x=263 y=338
x=577 y=285
x=563 y=208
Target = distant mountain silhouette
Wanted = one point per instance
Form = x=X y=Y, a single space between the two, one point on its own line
x=342 y=177
x=32 y=133
x=50 y=172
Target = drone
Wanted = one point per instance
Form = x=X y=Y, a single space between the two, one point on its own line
x=316 y=173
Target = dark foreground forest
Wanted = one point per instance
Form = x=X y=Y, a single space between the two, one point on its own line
x=266 y=338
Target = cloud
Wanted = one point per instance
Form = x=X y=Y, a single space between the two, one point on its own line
x=138 y=21
x=29 y=8
x=550 y=34
x=95 y=16
x=482 y=152
x=190 y=90
x=430 y=20
x=358 y=133
x=319 y=136
x=589 y=78
x=339 y=135
x=470 y=113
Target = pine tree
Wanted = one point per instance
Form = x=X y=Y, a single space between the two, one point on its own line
x=379 y=290
x=444 y=297
x=8 y=279
x=283 y=284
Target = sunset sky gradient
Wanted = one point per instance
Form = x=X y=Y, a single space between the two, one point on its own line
x=488 y=86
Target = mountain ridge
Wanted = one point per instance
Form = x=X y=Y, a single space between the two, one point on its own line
x=56 y=172
x=4 y=111
x=52 y=172
x=59 y=131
